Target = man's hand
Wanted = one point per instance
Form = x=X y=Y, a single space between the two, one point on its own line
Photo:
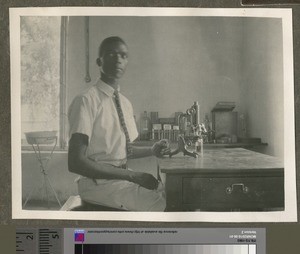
x=161 y=148
x=145 y=180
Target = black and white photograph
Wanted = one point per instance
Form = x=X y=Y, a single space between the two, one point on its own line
x=153 y=114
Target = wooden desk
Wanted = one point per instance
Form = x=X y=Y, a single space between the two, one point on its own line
x=223 y=180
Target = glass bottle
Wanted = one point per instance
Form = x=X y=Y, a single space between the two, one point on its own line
x=199 y=146
x=208 y=127
x=145 y=127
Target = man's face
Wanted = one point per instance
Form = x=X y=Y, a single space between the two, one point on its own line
x=114 y=60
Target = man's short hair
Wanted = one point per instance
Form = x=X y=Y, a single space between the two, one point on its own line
x=108 y=41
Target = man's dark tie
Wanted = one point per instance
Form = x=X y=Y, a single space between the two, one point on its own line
x=129 y=148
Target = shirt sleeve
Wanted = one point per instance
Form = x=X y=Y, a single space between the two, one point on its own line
x=80 y=117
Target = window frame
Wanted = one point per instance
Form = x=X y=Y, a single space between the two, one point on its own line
x=62 y=125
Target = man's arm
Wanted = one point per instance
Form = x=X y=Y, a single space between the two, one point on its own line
x=80 y=164
x=159 y=149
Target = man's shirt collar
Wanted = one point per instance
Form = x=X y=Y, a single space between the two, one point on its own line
x=105 y=88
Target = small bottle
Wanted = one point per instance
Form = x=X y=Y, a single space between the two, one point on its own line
x=207 y=124
x=145 y=127
x=153 y=134
x=175 y=133
x=199 y=146
x=182 y=122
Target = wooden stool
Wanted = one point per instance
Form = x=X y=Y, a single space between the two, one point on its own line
x=74 y=203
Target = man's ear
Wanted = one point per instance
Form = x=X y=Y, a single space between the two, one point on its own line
x=98 y=61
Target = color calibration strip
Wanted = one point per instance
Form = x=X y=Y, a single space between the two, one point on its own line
x=164 y=249
x=141 y=240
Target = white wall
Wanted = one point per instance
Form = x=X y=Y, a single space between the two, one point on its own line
x=262 y=85
x=173 y=61
x=177 y=60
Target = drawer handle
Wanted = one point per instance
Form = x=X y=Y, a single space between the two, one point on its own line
x=230 y=189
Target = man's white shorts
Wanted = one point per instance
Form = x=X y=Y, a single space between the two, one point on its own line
x=121 y=194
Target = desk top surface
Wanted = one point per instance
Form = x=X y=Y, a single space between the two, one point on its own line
x=220 y=160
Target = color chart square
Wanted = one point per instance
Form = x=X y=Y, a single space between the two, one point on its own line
x=79 y=236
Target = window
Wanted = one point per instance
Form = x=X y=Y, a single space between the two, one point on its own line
x=42 y=75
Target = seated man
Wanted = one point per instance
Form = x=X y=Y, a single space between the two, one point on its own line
x=102 y=128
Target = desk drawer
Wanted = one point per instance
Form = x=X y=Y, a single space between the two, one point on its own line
x=251 y=193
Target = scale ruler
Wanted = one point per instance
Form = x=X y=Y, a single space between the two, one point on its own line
x=39 y=241
x=140 y=240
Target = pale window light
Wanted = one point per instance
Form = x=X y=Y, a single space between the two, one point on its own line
x=43 y=75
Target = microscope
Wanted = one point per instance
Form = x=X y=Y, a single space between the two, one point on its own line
x=191 y=132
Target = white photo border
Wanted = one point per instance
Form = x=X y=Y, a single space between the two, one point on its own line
x=290 y=212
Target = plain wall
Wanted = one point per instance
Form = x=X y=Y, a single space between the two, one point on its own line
x=177 y=60
x=173 y=61
x=262 y=85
